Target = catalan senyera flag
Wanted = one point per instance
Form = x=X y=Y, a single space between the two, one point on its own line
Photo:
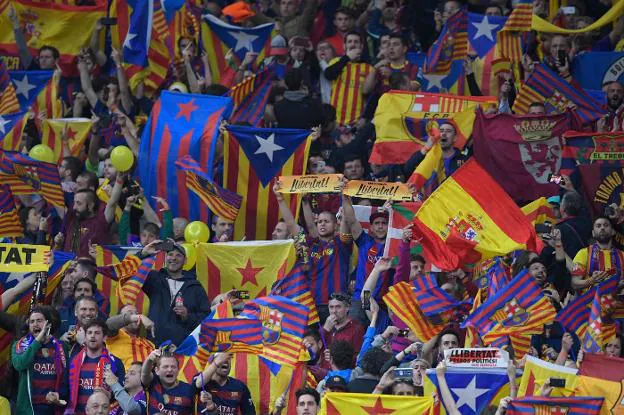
x=537 y=372
x=283 y=323
x=132 y=288
x=10 y=225
x=11 y=130
x=8 y=99
x=463 y=220
x=51 y=24
x=452 y=44
x=336 y=403
x=252 y=158
x=28 y=176
x=295 y=286
x=223 y=42
x=265 y=385
x=76 y=129
x=539 y=211
x=519 y=307
x=509 y=43
x=220 y=201
x=231 y=335
x=402 y=301
x=401 y=121
x=611 y=391
x=249 y=265
x=574 y=405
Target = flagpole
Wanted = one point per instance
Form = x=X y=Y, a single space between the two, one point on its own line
x=39 y=289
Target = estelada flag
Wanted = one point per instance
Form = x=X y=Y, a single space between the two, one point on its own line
x=51 y=24
x=612 y=391
x=249 y=265
x=537 y=372
x=11 y=129
x=8 y=98
x=402 y=118
x=335 y=403
x=574 y=405
x=76 y=130
x=451 y=45
x=521 y=151
x=470 y=217
x=252 y=157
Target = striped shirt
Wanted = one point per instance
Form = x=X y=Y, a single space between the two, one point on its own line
x=346 y=95
x=42 y=378
x=329 y=266
x=179 y=400
x=369 y=252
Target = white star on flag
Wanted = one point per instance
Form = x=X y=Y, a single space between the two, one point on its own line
x=129 y=38
x=434 y=80
x=23 y=87
x=3 y=122
x=484 y=28
x=243 y=40
x=469 y=394
x=268 y=146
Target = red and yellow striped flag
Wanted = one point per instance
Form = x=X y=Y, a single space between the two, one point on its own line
x=539 y=211
x=335 y=403
x=76 y=130
x=402 y=301
x=10 y=225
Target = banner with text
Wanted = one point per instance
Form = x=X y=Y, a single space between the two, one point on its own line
x=476 y=358
x=312 y=183
x=378 y=190
x=24 y=258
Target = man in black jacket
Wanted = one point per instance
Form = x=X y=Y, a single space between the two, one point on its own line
x=297 y=109
x=178 y=302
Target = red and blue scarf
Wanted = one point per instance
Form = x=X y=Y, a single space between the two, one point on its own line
x=60 y=361
x=74 y=374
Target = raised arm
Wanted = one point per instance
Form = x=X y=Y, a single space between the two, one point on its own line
x=85 y=82
x=148 y=366
x=204 y=377
x=447 y=398
x=9 y=296
x=124 y=88
x=287 y=215
x=22 y=47
x=111 y=205
x=349 y=216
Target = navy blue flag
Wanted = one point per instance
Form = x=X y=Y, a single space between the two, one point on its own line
x=180 y=125
x=28 y=85
x=139 y=35
x=593 y=69
x=483 y=31
x=268 y=148
x=472 y=389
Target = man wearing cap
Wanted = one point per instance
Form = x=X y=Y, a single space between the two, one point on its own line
x=178 y=302
x=370 y=248
x=453 y=158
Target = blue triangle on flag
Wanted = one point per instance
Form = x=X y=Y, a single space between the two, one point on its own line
x=28 y=85
x=267 y=149
x=483 y=30
x=240 y=40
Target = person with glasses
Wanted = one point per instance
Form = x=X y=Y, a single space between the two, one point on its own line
x=339 y=326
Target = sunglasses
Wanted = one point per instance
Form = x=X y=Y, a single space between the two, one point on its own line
x=340 y=297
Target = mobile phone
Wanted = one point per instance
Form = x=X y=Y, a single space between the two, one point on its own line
x=166 y=245
x=557 y=382
x=366 y=299
x=402 y=373
x=553 y=178
x=543 y=228
x=108 y=21
x=568 y=10
x=562 y=56
x=241 y=294
x=420 y=390
x=48 y=330
x=403 y=333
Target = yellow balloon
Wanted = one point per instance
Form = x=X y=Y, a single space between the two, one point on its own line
x=191 y=256
x=41 y=152
x=122 y=158
x=196 y=232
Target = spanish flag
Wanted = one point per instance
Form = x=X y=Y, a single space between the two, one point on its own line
x=75 y=130
x=51 y=24
x=335 y=403
x=470 y=217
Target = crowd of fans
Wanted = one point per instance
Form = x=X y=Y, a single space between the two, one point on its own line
x=73 y=356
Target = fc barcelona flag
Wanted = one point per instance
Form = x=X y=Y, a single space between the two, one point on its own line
x=435 y=301
x=10 y=225
x=283 y=324
x=518 y=307
x=221 y=202
x=546 y=86
x=180 y=125
x=250 y=98
x=573 y=405
x=223 y=41
x=50 y=23
x=11 y=129
x=252 y=158
x=521 y=151
x=469 y=218
x=296 y=286
x=451 y=45
x=28 y=176
x=231 y=335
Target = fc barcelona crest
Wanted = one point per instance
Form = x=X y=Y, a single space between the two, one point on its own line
x=512 y=315
x=271 y=324
x=29 y=175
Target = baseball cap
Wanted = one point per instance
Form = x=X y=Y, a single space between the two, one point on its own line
x=178 y=247
x=336 y=382
x=378 y=214
x=279 y=46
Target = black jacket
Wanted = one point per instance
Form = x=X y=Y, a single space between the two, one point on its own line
x=169 y=326
x=576 y=232
x=295 y=111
